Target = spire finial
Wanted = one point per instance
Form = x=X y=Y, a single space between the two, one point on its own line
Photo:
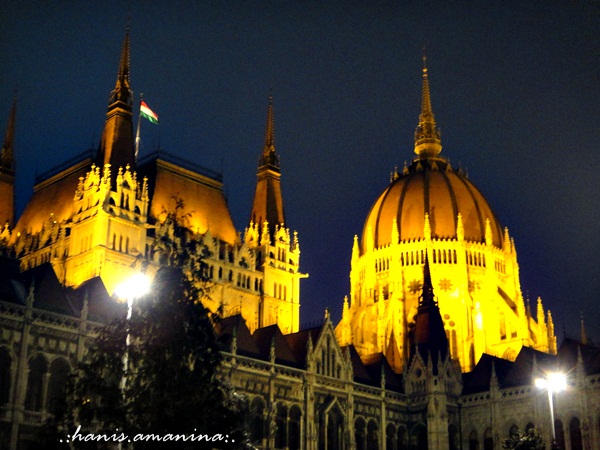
x=427 y=297
x=583 y=334
x=122 y=92
x=269 y=157
x=428 y=140
x=117 y=146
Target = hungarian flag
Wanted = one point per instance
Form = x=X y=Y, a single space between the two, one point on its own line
x=148 y=113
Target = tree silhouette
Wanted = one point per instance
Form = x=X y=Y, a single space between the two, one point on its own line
x=171 y=385
x=529 y=440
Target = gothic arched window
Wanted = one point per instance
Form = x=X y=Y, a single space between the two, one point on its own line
x=257 y=421
x=372 y=435
x=281 y=422
x=488 y=440
x=360 y=434
x=402 y=438
x=418 y=438
x=575 y=433
x=473 y=441
x=391 y=438
x=35 y=383
x=294 y=428
x=59 y=374
x=5 y=364
x=559 y=429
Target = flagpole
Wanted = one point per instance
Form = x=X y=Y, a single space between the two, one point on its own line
x=137 y=134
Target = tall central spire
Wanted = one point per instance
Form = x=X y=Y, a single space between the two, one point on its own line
x=122 y=92
x=269 y=156
x=117 y=145
x=428 y=141
x=268 y=201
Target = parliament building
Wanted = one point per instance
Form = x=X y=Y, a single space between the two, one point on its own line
x=436 y=347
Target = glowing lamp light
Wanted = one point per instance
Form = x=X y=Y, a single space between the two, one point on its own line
x=555 y=382
x=136 y=286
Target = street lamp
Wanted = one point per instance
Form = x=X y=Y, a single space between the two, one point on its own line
x=554 y=382
x=135 y=287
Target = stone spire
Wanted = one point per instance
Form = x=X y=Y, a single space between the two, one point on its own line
x=117 y=145
x=429 y=337
x=7 y=154
x=268 y=201
x=583 y=333
x=428 y=141
x=269 y=156
x=7 y=172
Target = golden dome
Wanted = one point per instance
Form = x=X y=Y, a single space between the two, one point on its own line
x=430 y=186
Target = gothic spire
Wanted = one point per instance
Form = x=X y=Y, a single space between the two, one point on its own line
x=268 y=201
x=7 y=153
x=117 y=145
x=7 y=172
x=269 y=156
x=429 y=337
x=122 y=91
x=428 y=140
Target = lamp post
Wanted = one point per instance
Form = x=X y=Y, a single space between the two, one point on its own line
x=135 y=287
x=554 y=382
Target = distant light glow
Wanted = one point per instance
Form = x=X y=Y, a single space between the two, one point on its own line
x=136 y=286
x=554 y=382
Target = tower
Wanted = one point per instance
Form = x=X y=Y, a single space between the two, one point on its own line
x=7 y=173
x=278 y=251
x=430 y=208
x=431 y=376
x=117 y=144
x=90 y=219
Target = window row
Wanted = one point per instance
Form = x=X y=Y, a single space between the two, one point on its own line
x=280 y=291
x=287 y=419
x=45 y=390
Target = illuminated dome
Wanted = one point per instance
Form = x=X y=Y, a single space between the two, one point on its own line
x=430 y=186
x=431 y=232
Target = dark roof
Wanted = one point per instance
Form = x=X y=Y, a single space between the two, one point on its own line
x=568 y=353
x=11 y=287
x=266 y=337
x=361 y=375
x=298 y=342
x=244 y=341
x=49 y=294
x=374 y=365
x=101 y=306
x=478 y=380
x=522 y=371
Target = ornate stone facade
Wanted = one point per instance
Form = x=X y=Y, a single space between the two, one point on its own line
x=409 y=366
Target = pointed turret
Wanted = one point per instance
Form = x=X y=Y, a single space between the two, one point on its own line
x=117 y=145
x=7 y=172
x=429 y=337
x=428 y=141
x=268 y=201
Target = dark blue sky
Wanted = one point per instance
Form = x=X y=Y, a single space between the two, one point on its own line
x=515 y=89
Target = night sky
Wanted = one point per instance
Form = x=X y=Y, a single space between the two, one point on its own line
x=515 y=89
